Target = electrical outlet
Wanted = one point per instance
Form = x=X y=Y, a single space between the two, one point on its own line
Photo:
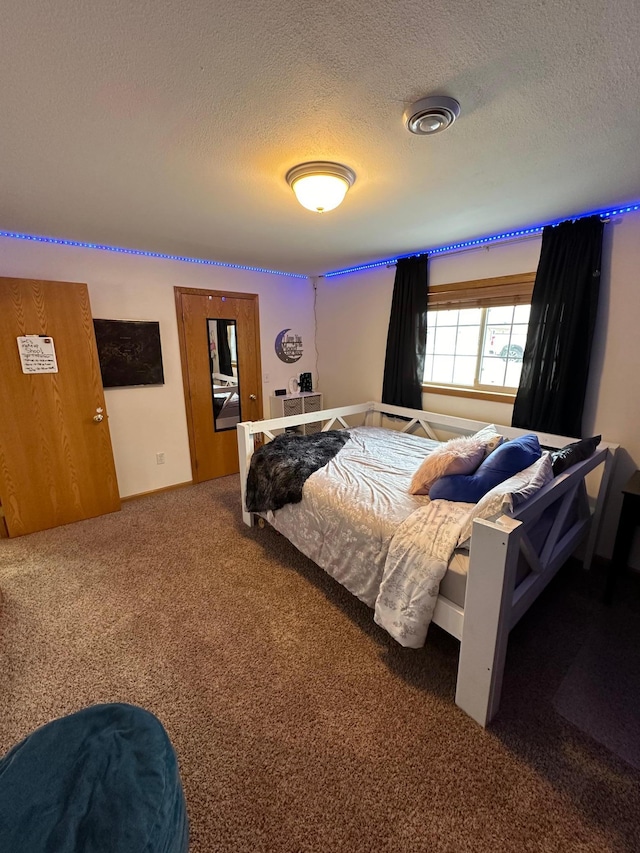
x=160 y=458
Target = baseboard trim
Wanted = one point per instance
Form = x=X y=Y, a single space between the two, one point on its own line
x=156 y=491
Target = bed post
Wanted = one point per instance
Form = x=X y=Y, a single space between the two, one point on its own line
x=245 y=452
x=373 y=415
x=487 y=616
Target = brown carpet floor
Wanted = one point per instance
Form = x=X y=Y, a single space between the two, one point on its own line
x=299 y=725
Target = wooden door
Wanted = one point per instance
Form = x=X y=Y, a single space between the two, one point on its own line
x=213 y=442
x=56 y=461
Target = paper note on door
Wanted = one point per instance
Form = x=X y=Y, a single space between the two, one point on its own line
x=37 y=354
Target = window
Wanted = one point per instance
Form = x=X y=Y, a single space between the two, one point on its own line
x=476 y=333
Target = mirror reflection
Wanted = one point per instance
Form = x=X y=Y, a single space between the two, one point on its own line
x=223 y=356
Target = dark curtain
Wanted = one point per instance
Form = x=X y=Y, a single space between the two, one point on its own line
x=224 y=351
x=563 y=314
x=407 y=337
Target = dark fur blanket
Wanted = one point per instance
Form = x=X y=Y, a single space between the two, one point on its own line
x=280 y=468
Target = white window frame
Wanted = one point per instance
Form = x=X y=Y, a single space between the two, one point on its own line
x=480 y=293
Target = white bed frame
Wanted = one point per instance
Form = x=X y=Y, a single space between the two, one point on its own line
x=493 y=604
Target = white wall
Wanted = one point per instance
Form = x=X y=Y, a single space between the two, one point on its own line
x=353 y=316
x=143 y=421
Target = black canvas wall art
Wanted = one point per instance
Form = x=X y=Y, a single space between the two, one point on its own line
x=129 y=352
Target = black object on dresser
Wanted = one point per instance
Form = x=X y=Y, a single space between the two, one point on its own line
x=306 y=382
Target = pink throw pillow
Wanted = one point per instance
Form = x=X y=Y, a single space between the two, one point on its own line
x=457 y=456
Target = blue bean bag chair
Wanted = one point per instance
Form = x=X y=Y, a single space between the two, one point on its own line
x=102 y=779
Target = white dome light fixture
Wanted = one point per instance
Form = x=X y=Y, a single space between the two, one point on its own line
x=320 y=185
x=431 y=115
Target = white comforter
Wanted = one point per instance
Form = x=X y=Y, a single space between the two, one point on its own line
x=358 y=522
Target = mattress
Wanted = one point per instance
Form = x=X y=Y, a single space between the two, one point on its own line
x=454 y=584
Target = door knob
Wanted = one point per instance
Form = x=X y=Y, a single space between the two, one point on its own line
x=98 y=416
x=252 y=397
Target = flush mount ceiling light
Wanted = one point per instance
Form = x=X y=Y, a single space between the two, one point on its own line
x=431 y=115
x=320 y=186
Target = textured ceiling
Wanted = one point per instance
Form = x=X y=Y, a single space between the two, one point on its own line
x=169 y=126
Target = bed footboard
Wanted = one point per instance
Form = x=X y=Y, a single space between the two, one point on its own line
x=493 y=604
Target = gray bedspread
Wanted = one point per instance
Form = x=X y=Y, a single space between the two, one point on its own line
x=358 y=522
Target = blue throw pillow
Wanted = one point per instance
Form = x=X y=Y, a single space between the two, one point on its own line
x=504 y=462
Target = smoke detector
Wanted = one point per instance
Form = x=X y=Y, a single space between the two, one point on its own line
x=431 y=115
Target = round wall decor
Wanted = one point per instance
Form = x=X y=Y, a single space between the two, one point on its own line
x=288 y=346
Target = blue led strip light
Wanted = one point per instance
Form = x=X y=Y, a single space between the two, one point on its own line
x=482 y=241
x=119 y=250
